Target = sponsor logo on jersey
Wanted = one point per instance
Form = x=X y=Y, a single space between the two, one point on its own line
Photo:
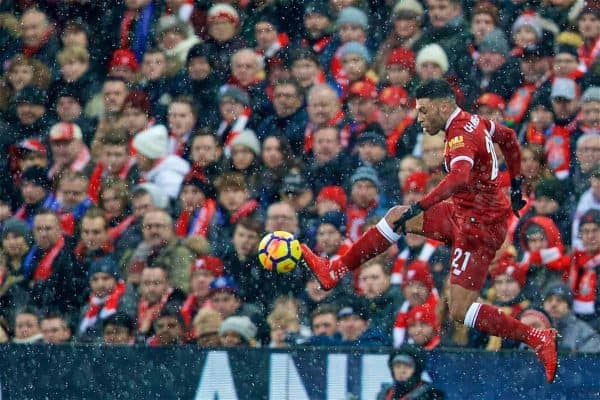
x=456 y=142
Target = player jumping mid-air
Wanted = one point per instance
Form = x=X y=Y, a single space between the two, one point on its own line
x=466 y=210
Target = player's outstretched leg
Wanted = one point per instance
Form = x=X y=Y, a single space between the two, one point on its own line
x=373 y=242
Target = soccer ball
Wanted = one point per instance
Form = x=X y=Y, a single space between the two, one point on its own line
x=279 y=251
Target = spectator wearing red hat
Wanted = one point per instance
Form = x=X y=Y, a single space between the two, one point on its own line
x=418 y=289
x=400 y=68
x=415 y=187
x=198 y=208
x=32 y=152
x=398 y=121
x=136 y=114
x=69 y=104
x=423 y=327
x=202 y=272
x=69 y=153
x=331 y=198
x=491 y=106
x=123 y=65
x=363 y=113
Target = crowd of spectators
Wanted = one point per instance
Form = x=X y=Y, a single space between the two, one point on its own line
x=146 y=146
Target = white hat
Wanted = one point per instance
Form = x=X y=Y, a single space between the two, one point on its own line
x=247 y=138
x=241 y=325
x=223 y=10
x=152 y=142
x=435 y=53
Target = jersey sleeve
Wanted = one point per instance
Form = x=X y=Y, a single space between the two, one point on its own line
x=460 y=146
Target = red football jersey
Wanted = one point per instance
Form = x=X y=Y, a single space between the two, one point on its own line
x=470 y=138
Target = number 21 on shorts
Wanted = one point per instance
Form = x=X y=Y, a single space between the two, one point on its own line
x=460 y=259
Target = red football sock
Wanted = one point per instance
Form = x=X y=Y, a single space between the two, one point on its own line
x=494 y=322
x=369 y=245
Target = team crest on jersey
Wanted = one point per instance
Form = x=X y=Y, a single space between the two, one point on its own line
x=456 y=142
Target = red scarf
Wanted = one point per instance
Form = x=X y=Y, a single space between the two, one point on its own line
x=311 y=128
x=105 y=307
x=390 y=394
x=99 y=173
x=519 y=102
x=44 y=268
x=588 y=53
x=30 y=51
x=115 y=232
x=177 y=144
x=583 y=280
x=82 y=159
x=401 y=323
x=125 y=27
x=147 y=312
x=424 y=255
x=394 y=137
x=196 y=223
x=320 y=44
x=81 y=249
x=355 y=217
x=191 y=306
x=246 y=209
x=238 y=126
x=557 y=149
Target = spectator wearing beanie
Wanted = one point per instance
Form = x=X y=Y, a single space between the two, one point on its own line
x=202 y=272
x=136 y=114
x=329 y=199
x=423 y=327
x=235 y=113
x=36 y=191
x=491 y=106
x=331 y=239
x=175 y=37
x=206 y=327
x=237 y=332
x=527 y=31
x=245 y=159
x=431 y=62
x=123 y=64
x=576 y=336
x=167 y=171
x=366 y=200
x=198 y=207
x=566 y=63
x=355 y=59
x=355 y=327
x=69 y=104
x=16 y=240
x=32 y=113
x=398 y=121
x=399 y=69
x=363 y=113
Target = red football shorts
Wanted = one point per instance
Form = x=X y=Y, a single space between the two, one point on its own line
x=474 y=244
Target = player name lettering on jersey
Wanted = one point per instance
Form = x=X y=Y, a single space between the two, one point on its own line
x=472 y=124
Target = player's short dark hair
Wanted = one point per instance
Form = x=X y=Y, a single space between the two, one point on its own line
x=435 y=89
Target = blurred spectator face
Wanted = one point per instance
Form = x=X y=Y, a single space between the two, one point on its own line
x=198 y=68
x=590 y=112
x=352 y=326
x=564 y=64
x=315 y=24
x=490 y=62
x=271 y=154
x=191 y=197
x=32 y=158
x=221 y=29
x=113 y=94
x=324 y=325
x=507 y=288
x=564 y=108
x=168 y=330
x=541 y=118
x=481 y=25
x=532 y=321
x=525 y=37
x=556 y=307
x=200 y=283
x=391 y=116
x=412 y=197
x=142 y=205
x=536 y=241
x=371 y=153
x=136 y=4
x=588 y=153
x=326 y=145
x=373 y=281
x=491 y=113
x=32 y=193
x=354 y=66
x=154 y=66
x=93 y=233
x=245 y=241
x=305 y=72
x=589 y=26
x=230 y=109
x=134 y=120
x=433 y=151
x=397 y=76
x=64 y=152
x=408 y=165
x=441 y=12
x=114 y=157
x=545 y=206
x=329 y=239
x=171 y=38
x=26 y=326
x=157 y=228
x=34 y=26
x=115 y=334
x=20 y=76
x=595 y=186
x=590 y=233
x=363 y=193
x=352 y=33
x=73 y=37
x=181 y=118
x=406 y=28
x=29 y=113
x=324 y=206
x=68 y=109
x=73 y=70
x=72 y=192
x=429 y=70
x=230 y=339
x=14 y=246
x=102 y=284
x=265 y=34
x=111 y=203
x=232 y=198
x=286 y=100
x=55 y=331
x=46 y=230
x=402 y=372
x=225 y=302
x=421 y=333
x=144 y=163
x=241 y=157
x=533 y=68
x=323 y=104
x=281 y=217
x=414 y=240
x=415 y=292
x=244 y=66
x=154 y=284
x=361 y=109
x=205 y=150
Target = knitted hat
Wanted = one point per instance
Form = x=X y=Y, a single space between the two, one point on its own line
x=491 y=100
x=494 y=42
x=31 y=95
x=422 y=313
x=152 y=142
x=171 y=23
x=124 y=58
x=222 y=10
x=240 y=325
x=235 y=93
x=416 y=182
x=352 y=16
x=408 y=9
x=595 y=11
x=107 y=265
x=507 y=266
x=248 y=139
x=570 y=38
x=403 y=57
x=157 y=195
x=591 y=94
x=65 y=132
x=335 y=194
x=530 y=20
x=561 y=290
x=294 y=183
x=534 y=229
x=356 y=48
x=551 y=188
x=418 y=271
x=363 y=89
x=394 y=96
x=18 y=228
x=224 y=283
x=69 y=90
x=211 y=264
x=138 y=99
x=433 y=53
x=372 y=138
x=36 y=175
x=590 y=217
x=365 y=173
x=335 y=218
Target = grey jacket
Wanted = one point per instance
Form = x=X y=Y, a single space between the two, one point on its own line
x=577 y=335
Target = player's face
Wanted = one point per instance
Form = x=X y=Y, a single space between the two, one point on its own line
x=421 y=333
x=506 y=288
x=402 y=372
x=415 y=292
x=429 y=116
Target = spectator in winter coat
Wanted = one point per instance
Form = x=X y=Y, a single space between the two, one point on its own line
x=587 y=158
x=587 y=24
x=95 y=242
x=202 y=272
x=124 y=65
x=590 y=200
x=373 y=151
x=206 y=327
x=237 y=331
x=248 y=75
x=114 y=93
x=55 y=329
x=16 y=241
x=33 y=117
x=366 y=200
x=328 y=165
x=397 y=119
x=305 y=67
x=317 y=31
x=206 y=154
x=75 y=71
x=296 y=191
x=235 y=112
x=68 y=149
x=169 y=328
x=155 y=81
x=197 y=207
x=39 y=39
x=182 y=117
x=576 y=335
x=118 y=329
x=26 y=326
x=355 y=328
x=324 y=109
x=69 y=104
x=276 y=162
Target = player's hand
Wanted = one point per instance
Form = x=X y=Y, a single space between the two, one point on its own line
x=413 y=211
x=516 y=196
